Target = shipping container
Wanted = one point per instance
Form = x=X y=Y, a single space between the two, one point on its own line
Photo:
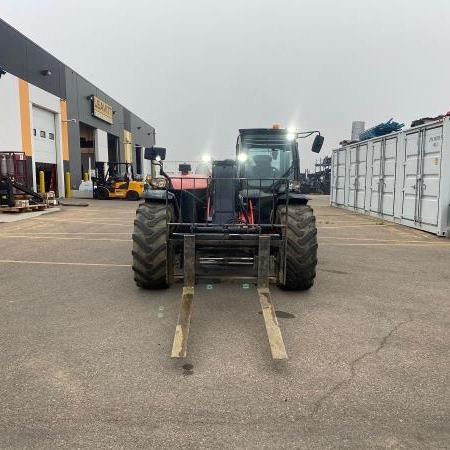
x=403 y=177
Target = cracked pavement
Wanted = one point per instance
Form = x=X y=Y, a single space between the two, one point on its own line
x=352 y=365
x=85 y=363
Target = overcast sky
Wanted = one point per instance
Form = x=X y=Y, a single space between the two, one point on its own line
x=198 y=70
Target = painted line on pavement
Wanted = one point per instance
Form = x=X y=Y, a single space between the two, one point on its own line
x=349 y=222
x=355 y=226
x=114 y=233
x=82 y=221
x=378 y=240
x=85 y=211
x=409 y=231
x=63 y=238
x=55 y=263
x=395 y=244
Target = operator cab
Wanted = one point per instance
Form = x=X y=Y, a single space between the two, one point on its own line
x=268 y=154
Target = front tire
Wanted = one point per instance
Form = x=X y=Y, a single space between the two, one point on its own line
x=102 y=193
x=133 y=196
x=301 y=246
x=150 y=246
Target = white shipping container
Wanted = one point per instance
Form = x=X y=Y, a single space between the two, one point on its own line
x=403 y=177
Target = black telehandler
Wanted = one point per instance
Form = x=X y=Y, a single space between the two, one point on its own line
x=246 y=223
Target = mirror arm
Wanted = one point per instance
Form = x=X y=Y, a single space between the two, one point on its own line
x=307 y=134
x=164 y=174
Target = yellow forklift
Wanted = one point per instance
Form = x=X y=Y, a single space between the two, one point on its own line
x=116 y=180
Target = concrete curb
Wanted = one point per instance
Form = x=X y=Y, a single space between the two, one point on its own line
x=15 y=217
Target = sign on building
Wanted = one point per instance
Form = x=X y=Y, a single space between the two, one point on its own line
x=102 y=110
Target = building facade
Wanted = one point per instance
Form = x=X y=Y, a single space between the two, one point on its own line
x=58 y=121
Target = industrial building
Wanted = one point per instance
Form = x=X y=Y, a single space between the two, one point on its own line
x=54 y=120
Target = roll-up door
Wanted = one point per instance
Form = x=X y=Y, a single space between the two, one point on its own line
x=44 y=135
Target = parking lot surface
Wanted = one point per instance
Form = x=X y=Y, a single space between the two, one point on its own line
x=85 y=360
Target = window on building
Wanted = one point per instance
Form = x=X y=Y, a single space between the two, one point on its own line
x=42 y=134
x=34 y=131
x=51 y=136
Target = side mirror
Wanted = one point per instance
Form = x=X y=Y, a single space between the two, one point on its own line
x=155 y=153
x=317 y=144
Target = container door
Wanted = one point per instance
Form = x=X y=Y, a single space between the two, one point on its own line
x=387 y=178
x=428 y=186
x=340 y=177
x=334 y=166
x=361 y=171
x=411 y=170
x=353 y=176
x=421 y=176
x=375 y=198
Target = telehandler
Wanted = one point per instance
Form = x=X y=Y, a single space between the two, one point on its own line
x=246 y=223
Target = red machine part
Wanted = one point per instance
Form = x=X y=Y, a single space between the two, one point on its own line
x=189 y=181
x=14 y=165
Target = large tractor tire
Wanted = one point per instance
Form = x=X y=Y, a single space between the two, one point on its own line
x=149 y=245
x=301 y=247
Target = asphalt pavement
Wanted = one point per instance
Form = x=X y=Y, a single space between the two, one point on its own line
x=85 y=362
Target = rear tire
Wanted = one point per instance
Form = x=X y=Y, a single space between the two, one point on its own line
x=150 y=246
x=301 y=248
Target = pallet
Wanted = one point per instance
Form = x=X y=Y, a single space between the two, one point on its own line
x=20 y=209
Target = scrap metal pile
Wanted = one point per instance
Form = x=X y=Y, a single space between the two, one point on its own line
x=319 y=181
x=381 y=129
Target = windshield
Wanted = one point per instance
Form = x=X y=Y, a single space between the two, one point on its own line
x=266 y=162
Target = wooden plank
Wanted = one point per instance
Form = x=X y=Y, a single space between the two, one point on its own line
x=273 y=330
x=19 y=209
x=179 y=348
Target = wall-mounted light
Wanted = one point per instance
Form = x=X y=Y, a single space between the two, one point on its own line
x=89 y=97
x=46 y=72
x=70 y=120
x=138 y=128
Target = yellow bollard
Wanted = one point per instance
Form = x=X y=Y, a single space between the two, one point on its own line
x=86 y=176
x=68 y=186
x=41 y=182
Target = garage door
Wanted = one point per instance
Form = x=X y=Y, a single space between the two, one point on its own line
x=44 y=136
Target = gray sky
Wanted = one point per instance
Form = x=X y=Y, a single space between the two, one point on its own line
x=198 y=70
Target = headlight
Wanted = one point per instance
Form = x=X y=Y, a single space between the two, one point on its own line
x=158 y=183
x=294 y=185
